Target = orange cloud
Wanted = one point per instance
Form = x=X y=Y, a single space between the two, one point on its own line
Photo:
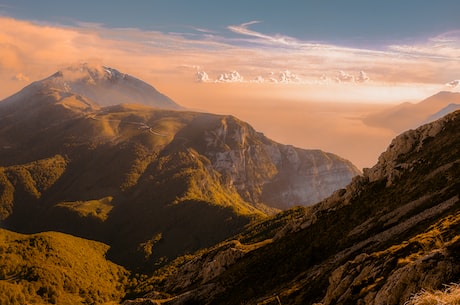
x=37 y=50
x=21 y=77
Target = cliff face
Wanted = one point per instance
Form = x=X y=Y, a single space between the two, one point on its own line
x=263 y=171
x=390 y=165
x=389 y=234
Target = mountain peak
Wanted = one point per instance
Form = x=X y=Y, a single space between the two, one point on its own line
x=102 y=85
x=89 y=73
x=107 y=86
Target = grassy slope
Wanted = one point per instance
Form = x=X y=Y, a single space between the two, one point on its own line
x=55 y=268
x=124 y=184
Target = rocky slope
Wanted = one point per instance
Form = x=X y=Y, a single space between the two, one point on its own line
x=389 y=234
x=152 y=183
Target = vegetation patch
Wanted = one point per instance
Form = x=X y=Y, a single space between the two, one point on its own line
x=450 y=295
x=56 y=268
x=93 y=208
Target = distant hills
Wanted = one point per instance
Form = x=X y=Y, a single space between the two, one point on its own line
x=441 y=113
x=407 y=115
x=153 y=183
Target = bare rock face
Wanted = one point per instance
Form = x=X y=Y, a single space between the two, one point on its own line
x=389 y=164
x=398 y=272
x=263 y=171
x=203 y=269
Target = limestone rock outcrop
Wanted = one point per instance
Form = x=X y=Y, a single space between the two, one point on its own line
x=263 y=171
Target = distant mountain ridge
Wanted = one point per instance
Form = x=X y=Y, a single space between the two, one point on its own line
x=152 y=183
x=407 y=115
x=441 y=113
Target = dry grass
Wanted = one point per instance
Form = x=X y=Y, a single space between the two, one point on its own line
x=56 y=268
x=449 y=296
x=95 y=208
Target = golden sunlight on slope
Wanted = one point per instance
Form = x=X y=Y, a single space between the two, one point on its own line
x=450 y=295
x=93 y=208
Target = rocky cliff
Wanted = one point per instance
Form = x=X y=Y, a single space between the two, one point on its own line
x=263 y=171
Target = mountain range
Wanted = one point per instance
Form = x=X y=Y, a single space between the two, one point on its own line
x=405 y=116
x=151 y=182
x=108 y=202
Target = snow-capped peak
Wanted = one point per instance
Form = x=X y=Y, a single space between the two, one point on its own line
x=106 y=86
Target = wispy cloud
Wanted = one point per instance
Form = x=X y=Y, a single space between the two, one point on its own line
x=203 y=30
x=207 y=55
x=453 y=84
x=443 y=46
x=280 y=40
x=21 y=77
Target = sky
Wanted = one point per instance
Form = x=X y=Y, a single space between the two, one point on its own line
x=302 y=72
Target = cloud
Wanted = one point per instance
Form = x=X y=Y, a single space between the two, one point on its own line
x=362 y=77
x=288 y=77
x=443 y=46
x=232 y=77
x=227 y=77
x=86 y=70
x=259 y=79
x=283 y=77
x=21 y=77
x=202 y=77
x=344 y=77
x=454 y=83
x=38 y=50
x=243 y=29
x=429 y=62
x=203 y=30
